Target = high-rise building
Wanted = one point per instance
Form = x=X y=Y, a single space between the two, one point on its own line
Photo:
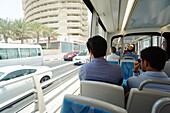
x=67 y=17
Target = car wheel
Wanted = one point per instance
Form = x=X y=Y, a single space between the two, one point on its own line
x=45 y=78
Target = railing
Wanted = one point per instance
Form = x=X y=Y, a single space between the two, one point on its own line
x=39 y=103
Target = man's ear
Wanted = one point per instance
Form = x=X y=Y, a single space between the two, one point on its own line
x=146 y=63
x=91 y=52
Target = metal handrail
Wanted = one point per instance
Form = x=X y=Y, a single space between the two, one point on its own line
x=160 y=104
x=11 y=101
x=154 y=81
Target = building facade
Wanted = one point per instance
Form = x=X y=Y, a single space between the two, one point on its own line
x=67 y=17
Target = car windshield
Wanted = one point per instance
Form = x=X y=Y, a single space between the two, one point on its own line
x=1 y=73
x=82 y=54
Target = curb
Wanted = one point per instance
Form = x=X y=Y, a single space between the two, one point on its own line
x=53 y=59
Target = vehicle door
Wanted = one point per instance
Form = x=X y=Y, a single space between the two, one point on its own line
x=10 y=91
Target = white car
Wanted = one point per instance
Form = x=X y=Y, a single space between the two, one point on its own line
x=81 y=58
x=17 y=71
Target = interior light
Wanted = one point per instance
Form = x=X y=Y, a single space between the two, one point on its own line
x=127 y=12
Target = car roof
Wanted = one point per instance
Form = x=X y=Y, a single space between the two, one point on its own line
x=8 y=69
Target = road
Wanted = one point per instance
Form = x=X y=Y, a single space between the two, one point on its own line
x=57 y=72
x=60 y=70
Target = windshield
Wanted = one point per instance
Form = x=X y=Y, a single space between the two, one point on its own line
x=1 y=73
x=83 y=54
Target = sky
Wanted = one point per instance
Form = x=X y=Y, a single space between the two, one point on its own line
x=11 y=9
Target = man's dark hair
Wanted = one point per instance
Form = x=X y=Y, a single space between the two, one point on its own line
x=113 y=49
x=156 y=56
x=97 y=45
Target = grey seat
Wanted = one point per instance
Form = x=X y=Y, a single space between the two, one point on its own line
x=167 y=68
x=141 y=100
x=161 y=106
x=79 y=104
x=110 y=93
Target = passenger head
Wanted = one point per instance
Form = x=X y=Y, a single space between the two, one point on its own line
x=97 y=46
x=156 y=57
x=112 y=49
x=130 y=49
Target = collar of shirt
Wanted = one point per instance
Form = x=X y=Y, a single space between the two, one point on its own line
x=99 y=60
x=156 y=74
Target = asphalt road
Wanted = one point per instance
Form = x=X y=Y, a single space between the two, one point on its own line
x=59 y=71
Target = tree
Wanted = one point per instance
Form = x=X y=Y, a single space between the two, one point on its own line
x=5 y=29
x=20 y=29
x=50 y=33
x=37 y=30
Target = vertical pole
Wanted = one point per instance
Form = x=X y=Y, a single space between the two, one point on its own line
x=151 y=41
x=39 y=100
x=93 y=24
x=122 y=45
x=161 y=40
x=158 y=43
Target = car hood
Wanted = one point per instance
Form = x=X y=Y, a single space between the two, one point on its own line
x=81 y=57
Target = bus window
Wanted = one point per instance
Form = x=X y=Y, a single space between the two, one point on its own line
x=3 y=53
x=155 y=41
x=12 y=53
x=39 y=52
x=33 y=52
x=25 y=52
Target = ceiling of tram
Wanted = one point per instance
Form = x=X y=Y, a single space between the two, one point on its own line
x=108 y=10
x=150 y=14
x=144 y=14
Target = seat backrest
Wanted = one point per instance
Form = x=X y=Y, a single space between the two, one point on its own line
x=116 y=61
x=127 y=67
x=161 y=106
x=110 y=93
x=141 y=100
x=80 y=104
x=167 y=68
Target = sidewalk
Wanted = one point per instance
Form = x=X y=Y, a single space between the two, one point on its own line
x=52 y=55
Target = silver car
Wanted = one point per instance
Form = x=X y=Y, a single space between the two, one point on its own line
x=10 y=73
x=81 y=58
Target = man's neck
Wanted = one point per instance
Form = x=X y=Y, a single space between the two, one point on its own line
x=100 y=57
x=152 y=69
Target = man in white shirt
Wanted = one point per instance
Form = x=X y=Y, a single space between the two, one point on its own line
x=112 y=56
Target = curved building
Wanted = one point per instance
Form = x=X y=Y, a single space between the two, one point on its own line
x=68 y=17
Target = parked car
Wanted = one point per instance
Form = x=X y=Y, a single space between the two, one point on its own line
x=81 y=58
x=10 y=73
x=70 y=55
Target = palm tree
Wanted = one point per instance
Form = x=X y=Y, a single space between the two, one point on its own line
x=20 y=29
x=37 y=30
x=50 y=33
x=5 y=29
